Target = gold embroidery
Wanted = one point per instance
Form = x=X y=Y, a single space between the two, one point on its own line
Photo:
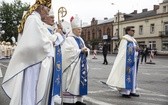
x=129 y=79
x=31 y=9
x=58 y=66
x=129 y=70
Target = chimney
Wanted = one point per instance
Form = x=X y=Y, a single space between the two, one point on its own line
x=144 y=10
x=105 y=18
x=135 y=12
x=155 y=7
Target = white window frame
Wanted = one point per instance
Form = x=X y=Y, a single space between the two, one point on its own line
x=141 y=30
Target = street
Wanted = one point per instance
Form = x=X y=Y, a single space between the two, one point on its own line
x=152 y=83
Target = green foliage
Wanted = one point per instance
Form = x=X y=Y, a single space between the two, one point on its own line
x=95 y=41
x=11 y=13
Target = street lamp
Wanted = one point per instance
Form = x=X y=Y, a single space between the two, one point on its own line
x=118 y=23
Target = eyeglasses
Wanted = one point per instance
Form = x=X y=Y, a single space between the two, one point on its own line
x=132 y=30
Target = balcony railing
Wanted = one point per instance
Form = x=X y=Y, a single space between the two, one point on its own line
x=163 y=33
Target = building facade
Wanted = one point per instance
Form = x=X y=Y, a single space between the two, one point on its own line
x=97 y=33
x=151 y=28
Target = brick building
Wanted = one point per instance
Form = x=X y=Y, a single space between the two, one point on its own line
x=151 y=29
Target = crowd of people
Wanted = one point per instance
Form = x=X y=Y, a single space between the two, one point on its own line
x=6 y=49
x=53 y=67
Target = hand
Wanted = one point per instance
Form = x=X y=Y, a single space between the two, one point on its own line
x=59 y=31
x=84 y=49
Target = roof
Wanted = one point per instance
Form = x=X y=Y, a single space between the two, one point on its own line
x=139 y=15
x=105 y=21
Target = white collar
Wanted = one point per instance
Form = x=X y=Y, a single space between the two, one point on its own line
x=48 y=26
x=129 y=38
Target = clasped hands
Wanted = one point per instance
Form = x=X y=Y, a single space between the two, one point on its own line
x=84 y=49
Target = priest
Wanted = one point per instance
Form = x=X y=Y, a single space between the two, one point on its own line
x=28 y=76
x=75 y=68
x=123 y=75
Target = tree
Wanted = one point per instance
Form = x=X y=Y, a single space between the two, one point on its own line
x=11 y=13
x=94 y=43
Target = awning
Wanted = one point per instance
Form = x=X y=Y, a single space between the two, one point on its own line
x=114 y=38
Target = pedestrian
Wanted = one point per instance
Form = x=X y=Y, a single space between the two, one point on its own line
x=123 y=75
x=57 y=69
x=105 y=51
x=75 y=68
x=144 y=53
x=151 y=56
x=28 y=77
x=94 y=54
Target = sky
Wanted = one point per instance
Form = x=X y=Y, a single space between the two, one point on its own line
x=87 y=9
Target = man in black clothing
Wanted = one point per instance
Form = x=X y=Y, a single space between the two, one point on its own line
x=144 y=53
x=105 y=51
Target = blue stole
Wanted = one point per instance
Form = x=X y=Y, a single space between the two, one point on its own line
x=83 y=69
x=130 y=62
x=57 y=75
x=55 y=87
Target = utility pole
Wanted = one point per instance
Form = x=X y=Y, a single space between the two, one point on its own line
x=118 y=25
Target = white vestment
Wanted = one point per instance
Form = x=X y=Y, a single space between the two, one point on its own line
x=117 y=75
x=59 y=41
x=71 y=69
x=33 y=52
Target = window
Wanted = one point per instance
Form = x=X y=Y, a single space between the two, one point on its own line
x=152 y=28
x=100 y=34
x=116 y=34
x=164 y=9
x=88 y=35
x=152 y=45
x=140 y=30
x=141 y=43
x=124 y=31
x=93 y=34
x=166 y=29
x=108 y=31
x=165 y=45
x=116 y=19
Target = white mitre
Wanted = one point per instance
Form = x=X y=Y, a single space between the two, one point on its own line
x=51 y=12
x=75 y=22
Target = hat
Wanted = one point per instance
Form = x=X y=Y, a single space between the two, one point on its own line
x=46 y=3
x=75 y=22
x=51 y=12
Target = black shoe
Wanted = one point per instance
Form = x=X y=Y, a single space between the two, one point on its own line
x=103 y=63
x=134 y=94
x=126 y=96
x=80 y=103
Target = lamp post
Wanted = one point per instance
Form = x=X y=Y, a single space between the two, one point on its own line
x=118 y=23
